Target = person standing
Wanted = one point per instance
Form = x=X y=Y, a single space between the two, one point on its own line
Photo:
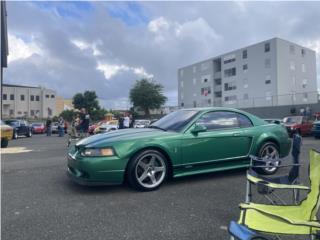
x=48 y=126
x=61 y=127
x=85 y=121
x=126 y=121
x=121 y=119
x=131 y=121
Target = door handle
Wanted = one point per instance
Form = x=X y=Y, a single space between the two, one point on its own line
x=236 y=134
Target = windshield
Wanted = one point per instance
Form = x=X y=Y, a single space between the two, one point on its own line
x=175 y=121
x=295 y=119
x=12 y=122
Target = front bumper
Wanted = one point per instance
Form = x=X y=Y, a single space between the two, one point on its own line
x=96 y=171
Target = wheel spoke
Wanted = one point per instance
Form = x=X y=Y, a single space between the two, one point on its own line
x=153 y=179
x=143 y=176
x=143 y=165
x=152 y=161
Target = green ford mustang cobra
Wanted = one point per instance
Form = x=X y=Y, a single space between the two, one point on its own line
x=185 y=142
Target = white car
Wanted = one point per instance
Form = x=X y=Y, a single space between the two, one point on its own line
x=141 y=123
x=106 y=127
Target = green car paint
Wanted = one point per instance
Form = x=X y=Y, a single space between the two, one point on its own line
x=188 y=153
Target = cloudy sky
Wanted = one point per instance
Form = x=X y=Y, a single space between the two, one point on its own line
x=105 y=46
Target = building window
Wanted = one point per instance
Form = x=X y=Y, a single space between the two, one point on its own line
x=303 y=52
x=4 y=96
x=25 y=113
x=267 y=47
x=230 y=99
x=230 y=72
x=194 y=81
x=19 y=113
x=22 y=97
x=230 y=86
x=305 y=97
x=194 y=104
x=182 y=104
x=304 y=83
x=268 y=79
x=303 y=67
x=229 y=60
x=11 y=111
x=245 y=96
x=11 y=96
x=292 y=49
x=32 y=112
x=194 y=69
x=31 y=97
x=268 y=96
x=37 y=98
x=244 y=54
x=52 y=96
x=292 y=66
x=245 y=67
x=205 y=91
x=217 y=81
x=218 y=94
x=267 y=63
x=47 y=96
x=245 y=83
x=205 y=80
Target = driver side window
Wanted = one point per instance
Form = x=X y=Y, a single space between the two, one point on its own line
x=219 y=120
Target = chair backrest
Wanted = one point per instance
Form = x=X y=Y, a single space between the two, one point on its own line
x=296 y=146
x=312 y=203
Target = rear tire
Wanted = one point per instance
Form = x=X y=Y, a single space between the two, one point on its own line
x=147 y=170
x=15 y=135
x=270 y=150
x=4 y=143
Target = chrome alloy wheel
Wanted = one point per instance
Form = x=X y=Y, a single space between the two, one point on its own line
x=150 y=170
x=270 y=152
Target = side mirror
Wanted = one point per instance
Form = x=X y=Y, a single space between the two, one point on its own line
x=199 y=128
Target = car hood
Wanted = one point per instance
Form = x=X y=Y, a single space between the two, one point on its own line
x=123 y=135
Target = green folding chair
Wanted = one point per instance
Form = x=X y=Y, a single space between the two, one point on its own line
x=298 y=219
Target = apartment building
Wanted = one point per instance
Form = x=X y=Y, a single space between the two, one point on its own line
x=63 y=104
x=275 y=72
x=27 y=102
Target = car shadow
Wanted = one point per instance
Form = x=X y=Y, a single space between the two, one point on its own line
x=124 y=187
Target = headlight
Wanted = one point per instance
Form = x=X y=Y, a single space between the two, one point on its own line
x=97 y=152
x=292 y=128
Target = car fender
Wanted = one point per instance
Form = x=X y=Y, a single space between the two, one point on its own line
x=262 y=139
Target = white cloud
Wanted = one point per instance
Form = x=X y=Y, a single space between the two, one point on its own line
x=110 y=70
x=197 y=29
x=19 y=49
x=82 y=45
x=158 y=24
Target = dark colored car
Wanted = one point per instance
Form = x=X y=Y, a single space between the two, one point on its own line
x=316 y=129
x=20 y=128
x=38 y=127
x=299 y=124
x=185 y=142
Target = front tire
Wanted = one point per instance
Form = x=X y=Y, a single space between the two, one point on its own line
x=29 y=134
x=147 y=170
x=267 y=151
x=15 y=135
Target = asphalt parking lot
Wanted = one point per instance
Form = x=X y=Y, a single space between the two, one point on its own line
x=39 y=201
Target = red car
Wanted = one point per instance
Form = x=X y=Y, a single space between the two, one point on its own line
x=38 y=128
x=297 y=123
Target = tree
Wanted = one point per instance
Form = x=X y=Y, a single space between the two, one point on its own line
x=87 y=100
x=68 y=115
x=147 y=95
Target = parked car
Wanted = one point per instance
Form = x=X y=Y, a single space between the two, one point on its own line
x=38 y=127
x=316 y=129
x=20 y=127
x=297 y=123
x=106 y=127
x=93 y=126
x=185 y=142
x=141 y=123
x=6 y=134
x=54 y=127
x=274 y=120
